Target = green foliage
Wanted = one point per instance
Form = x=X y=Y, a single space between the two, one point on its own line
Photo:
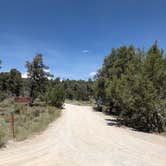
x=33 y=119
x=3 y=96
x=2 y=132
x=28 y=120
x=133 y=82
x=78 y=90
x=15 y=82
x=4 y=82
x=2 y=135
x=38 y=76
x=55 y=96
x=11 y=82
x=99 y=87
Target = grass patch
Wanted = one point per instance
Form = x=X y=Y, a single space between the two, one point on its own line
x=28 y=120
x=3 y=128
x=36 y=120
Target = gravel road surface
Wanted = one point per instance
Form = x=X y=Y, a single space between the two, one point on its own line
x=83 y=137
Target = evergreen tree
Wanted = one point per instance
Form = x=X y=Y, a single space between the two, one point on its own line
x=37 y=76
x=15 y=82
x=133 y=82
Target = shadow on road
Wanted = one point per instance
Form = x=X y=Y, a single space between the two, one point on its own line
x=113 y=122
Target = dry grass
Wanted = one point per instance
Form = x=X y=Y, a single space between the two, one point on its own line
x=28 y=120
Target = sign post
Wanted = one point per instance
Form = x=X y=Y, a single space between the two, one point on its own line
x=12 y=124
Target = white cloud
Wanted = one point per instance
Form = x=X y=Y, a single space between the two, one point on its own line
x=24 y=75
x=92 y=74
x=85 y=51
x=47 y=70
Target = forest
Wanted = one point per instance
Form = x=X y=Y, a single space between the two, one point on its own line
x=40 y=84
x=131 y=85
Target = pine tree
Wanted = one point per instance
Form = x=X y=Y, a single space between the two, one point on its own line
x=37 y=76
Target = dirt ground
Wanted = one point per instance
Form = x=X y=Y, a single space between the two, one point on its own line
x=83 y=137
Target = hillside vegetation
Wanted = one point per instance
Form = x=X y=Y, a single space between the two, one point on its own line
x=46 y=100
x=132 y=85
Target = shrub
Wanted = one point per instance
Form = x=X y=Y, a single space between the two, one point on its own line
x=55 y=96
x=2 y=132
x=133 y=83
x=2 y=96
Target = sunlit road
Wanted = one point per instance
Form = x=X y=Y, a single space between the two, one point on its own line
x=83 y=137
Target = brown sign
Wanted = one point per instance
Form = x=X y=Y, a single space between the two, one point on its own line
x=23 y=99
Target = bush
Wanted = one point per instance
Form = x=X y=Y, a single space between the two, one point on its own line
x=133 y=83
x=2 y=132
x=33 y=120
x=2 y=96
x=55 y=96
x=28 y=119
x=2 y=135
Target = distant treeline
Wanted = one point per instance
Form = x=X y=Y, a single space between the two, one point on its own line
x=78 y=90
x=42 y=85
x=132 y=84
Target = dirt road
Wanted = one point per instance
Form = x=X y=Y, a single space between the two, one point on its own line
x=82 y=137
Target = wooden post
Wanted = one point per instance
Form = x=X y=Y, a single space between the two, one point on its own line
x=12 y=124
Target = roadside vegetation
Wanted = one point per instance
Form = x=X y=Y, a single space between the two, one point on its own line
x=78 y=92
x=132 y=85
x=28 y=119
x=47 y=96
x=44 y=106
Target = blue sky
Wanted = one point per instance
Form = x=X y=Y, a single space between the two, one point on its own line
x=75 y=35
